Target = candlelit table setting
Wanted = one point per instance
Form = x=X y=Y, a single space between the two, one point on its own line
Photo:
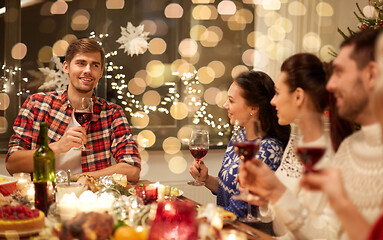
x=143 y=210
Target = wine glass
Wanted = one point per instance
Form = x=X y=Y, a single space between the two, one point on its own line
x=198 y=146
x=310 y=142
x=246 y=150
x=83 y=115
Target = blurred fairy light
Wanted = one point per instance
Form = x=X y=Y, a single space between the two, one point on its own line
x=134 y=107
x=201 y=114
x=7 y=78
x=119 y=85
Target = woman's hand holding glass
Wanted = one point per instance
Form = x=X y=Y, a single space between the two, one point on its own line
x=246 y=151
x=310 y=139
x=198 y=146
x=259 y=179
x=199 y=171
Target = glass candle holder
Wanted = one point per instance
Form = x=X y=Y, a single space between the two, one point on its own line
x=23 y=181
x=25 y=186
x=174 y=219
x=148 y=193
x=62 y=189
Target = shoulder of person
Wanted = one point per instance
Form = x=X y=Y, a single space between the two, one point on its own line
x=44 y=97
x=108 y=106
x=349 y=138
x=270 y=141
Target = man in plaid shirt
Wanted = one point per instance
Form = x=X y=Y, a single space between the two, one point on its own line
x=108 y=134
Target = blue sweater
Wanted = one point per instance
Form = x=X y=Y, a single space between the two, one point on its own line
x=270 y=152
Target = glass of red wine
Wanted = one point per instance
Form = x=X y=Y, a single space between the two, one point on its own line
x=83 y=115
x=246 y=150
x=310 y=139
x=198 y=146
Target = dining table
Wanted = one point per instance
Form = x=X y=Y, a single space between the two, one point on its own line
x=251 y=232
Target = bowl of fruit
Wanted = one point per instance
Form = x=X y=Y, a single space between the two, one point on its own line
x=7 y=185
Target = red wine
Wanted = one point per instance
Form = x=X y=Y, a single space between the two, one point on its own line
x=83 y=118
x=246 y=150
x=43 y=195
x=309 y=156
x=198 y=152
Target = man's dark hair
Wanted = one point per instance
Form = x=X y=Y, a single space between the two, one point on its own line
x=84 y=45
x=364 y=46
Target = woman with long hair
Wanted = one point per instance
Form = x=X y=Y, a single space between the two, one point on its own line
x=300 y=93
x=248 y=101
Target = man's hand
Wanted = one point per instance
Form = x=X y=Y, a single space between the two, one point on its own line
x=74 y=137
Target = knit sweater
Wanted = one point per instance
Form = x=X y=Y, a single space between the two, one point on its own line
x=360 y=159
x=270 y=152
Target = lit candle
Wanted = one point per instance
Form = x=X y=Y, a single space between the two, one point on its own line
x=105 y=203
x=87 y=202
x=62 y=189
x=23 y=181
x=230 y=234
x=161 y=192
x=143 y=232
x=21 y=184
x=151 y=192
x=68 y=206
x=31 y=193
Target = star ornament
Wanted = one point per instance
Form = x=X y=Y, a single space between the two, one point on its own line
x=54 y=79
x=133 y=39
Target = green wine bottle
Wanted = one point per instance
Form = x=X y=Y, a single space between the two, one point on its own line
x=44 y=171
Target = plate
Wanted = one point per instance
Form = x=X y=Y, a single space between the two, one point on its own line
x=228 y=216
x=165 y=190
x=11 y=234
x=7 y=185
x=207 y=210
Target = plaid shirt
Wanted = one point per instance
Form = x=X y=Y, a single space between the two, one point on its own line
x=108 y=133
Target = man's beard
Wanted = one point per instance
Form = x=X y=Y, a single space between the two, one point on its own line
x=356 y=107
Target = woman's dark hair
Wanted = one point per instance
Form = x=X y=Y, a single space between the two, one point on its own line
x=258 y=90
x=305 y=71
x=339 y=127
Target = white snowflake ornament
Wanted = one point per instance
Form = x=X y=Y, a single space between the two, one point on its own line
x=55 y=80
x=133 y=39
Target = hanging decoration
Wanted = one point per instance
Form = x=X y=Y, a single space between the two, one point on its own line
x=369 y=18
x=133 y=39
x=55 y=79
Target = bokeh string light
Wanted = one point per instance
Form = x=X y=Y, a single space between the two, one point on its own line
x=192 y=92
x=170 y=102
x=9 y=73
